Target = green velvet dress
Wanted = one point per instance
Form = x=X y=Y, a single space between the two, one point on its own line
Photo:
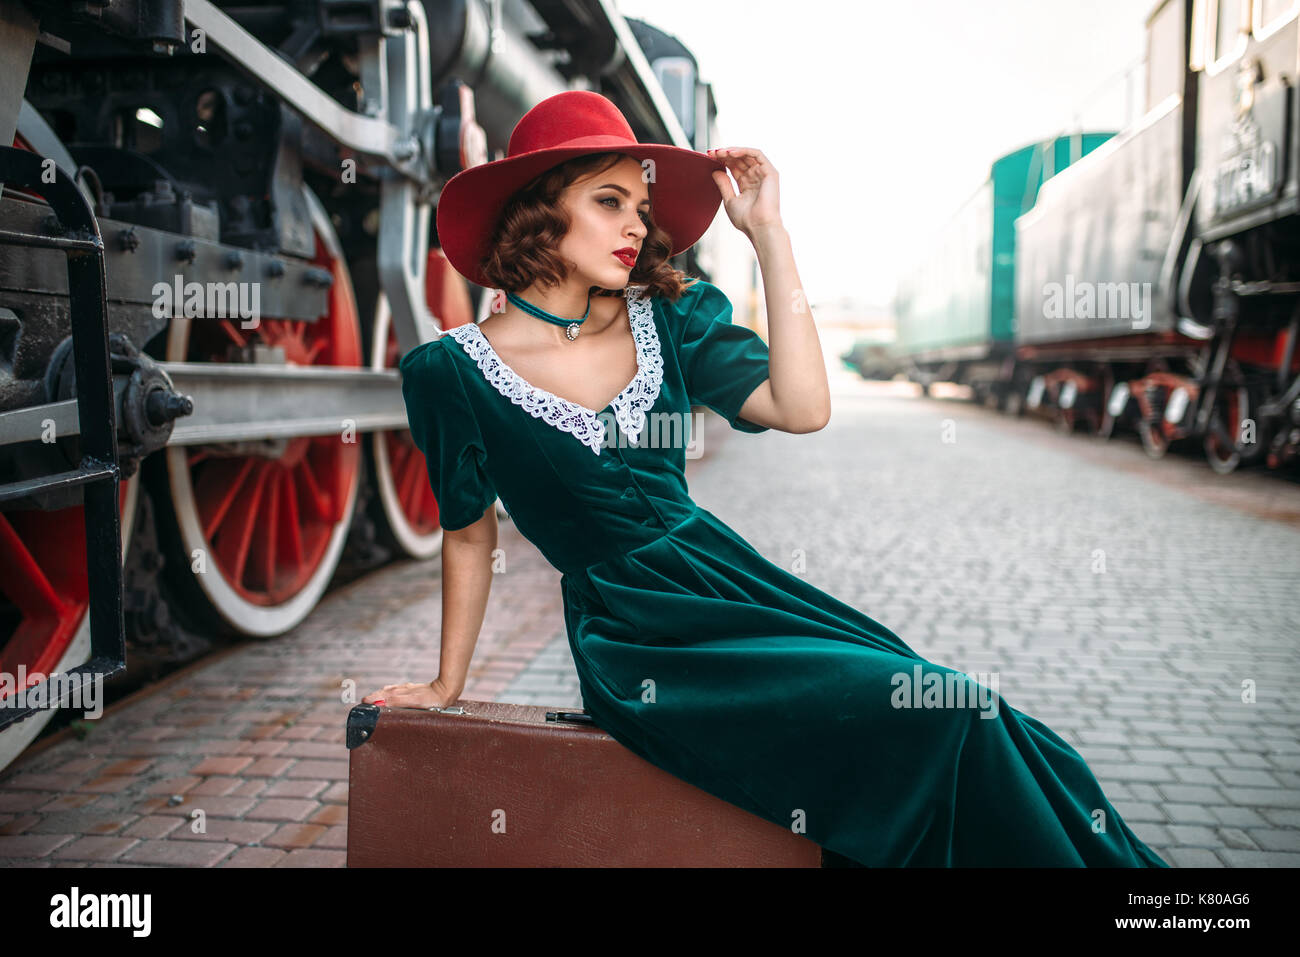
x=713 y=663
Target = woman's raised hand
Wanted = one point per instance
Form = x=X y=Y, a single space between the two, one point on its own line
x=432 y=694
x=758 y=204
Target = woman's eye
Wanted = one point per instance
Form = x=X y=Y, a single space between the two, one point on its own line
x=645 y=217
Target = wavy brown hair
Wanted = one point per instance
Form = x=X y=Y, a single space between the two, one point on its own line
x=533 y=222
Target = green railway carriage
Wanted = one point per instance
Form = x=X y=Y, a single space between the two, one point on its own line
x=1157 y=280
x=956 y=308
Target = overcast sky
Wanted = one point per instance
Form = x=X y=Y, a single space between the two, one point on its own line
x=881 y=118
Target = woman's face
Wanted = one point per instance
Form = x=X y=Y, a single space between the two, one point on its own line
x=606 y=213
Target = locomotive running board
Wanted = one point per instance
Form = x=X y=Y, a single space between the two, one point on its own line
x=241 y=402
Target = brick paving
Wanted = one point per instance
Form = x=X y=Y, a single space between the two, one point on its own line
x=1123 y=602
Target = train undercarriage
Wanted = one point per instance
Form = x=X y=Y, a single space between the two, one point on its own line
x=1226 y=382
x=1229 y=384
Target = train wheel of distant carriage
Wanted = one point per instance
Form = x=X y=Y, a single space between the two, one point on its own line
x=1012 y=400
x=1106 y=421
x=1080 y=416
x=1066 y=421
x=1232 y=405
x=43 y=591
x=1153 y=436
x=1153 y=439
x=257 y=537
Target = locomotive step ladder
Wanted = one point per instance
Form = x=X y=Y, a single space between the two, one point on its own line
x=74 y=230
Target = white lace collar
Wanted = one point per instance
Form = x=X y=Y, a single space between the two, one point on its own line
x=629 y=406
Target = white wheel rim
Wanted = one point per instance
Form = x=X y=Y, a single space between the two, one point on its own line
x=414 y=543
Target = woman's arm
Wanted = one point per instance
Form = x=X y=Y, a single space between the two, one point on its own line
x=466 y=583
x=796 y=398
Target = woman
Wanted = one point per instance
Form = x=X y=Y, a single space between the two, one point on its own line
x=692 y=649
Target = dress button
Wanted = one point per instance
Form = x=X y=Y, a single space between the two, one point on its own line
x=629 y=493
x=649 y=521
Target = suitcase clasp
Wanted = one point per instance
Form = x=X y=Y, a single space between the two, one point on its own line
x=456 y=709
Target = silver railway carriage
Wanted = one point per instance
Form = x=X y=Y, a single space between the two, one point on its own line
x=1157 y=279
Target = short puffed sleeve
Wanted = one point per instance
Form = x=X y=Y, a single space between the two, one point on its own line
x=444 y=428
x=723 y=363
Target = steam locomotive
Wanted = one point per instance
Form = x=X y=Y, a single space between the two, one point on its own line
x=216 y=240
x=1153 y=281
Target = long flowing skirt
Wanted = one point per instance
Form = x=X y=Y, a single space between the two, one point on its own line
x=720 y=667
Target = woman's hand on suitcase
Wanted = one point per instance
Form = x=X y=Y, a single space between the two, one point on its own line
x=412 y=694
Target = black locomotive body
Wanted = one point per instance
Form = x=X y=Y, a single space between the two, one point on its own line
x=259 y=181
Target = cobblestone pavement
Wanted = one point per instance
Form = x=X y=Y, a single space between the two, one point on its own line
x=1124 y=602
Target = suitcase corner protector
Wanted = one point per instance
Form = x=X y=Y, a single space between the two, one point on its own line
x=362 y=720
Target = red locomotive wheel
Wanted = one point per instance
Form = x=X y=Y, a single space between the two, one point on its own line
x=44 y=598
x=43 y=582
x=410 y=512
x=261 y=525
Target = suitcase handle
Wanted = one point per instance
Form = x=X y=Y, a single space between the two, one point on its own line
x=579 y=717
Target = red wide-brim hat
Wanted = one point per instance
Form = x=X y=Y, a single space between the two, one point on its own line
x=684 y=195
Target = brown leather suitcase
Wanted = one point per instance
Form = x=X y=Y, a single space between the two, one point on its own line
x=490 y=784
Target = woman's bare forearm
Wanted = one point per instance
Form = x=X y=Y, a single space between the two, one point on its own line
x=796 y=396
x=800 y=389
x=466 y=583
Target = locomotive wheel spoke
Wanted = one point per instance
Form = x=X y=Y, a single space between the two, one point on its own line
x=235 y=536
x=229 y=329
x=218 y=487
x=291 y=530
x=315 y=495
x=25 y=584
